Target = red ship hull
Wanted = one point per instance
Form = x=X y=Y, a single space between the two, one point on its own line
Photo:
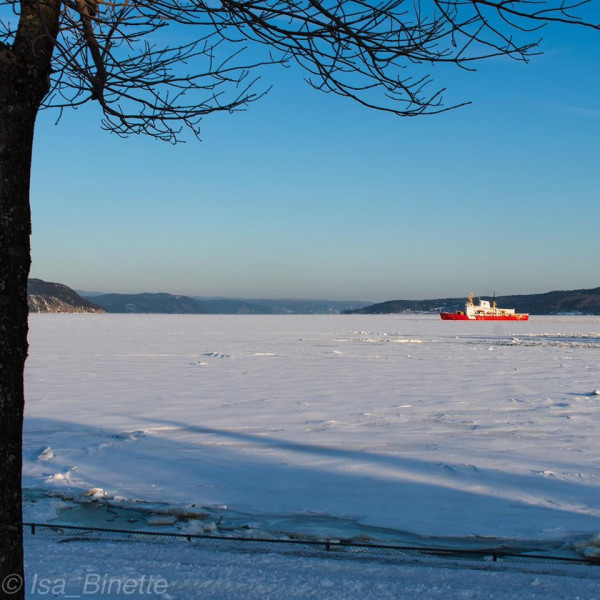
x=463 y=317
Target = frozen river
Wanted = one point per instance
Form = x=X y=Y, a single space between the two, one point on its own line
x=311 y=423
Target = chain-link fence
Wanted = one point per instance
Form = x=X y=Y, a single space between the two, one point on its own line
x=305 y=547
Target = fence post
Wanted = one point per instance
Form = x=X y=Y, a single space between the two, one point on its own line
x=33 y=529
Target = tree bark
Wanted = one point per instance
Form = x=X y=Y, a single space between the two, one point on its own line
x=24 y=82
x=16 y=139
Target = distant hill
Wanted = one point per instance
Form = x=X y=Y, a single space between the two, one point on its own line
x=173 y=304
x=149 y=303
x=265 y=306
x=232 y=306
x=45 y=296
x=55 y=297
x=585 y=302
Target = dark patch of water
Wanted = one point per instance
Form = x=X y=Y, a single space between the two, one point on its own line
x=161 y=517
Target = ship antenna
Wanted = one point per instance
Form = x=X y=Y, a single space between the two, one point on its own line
x=494 y=301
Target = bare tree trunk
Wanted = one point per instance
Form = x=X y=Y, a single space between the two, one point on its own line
x=16 y=140
x=24 y=81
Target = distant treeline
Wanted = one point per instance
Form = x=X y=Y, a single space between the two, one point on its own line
x=56 y=297
x=584 y=302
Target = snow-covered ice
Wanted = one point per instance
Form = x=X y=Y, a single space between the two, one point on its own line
x=183 y=571
x=395 y=422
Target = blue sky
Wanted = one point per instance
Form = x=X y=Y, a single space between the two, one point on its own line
x=311 y=196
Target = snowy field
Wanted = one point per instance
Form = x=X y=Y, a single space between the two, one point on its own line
x=167 y=572
x=388 y=427
x=409 y=423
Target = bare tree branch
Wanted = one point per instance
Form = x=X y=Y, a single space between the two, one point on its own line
x=376 y=53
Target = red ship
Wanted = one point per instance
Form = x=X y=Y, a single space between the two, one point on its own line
x=484 y=312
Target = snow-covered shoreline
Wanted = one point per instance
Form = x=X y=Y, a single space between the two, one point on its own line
x=170 y=571
x=405 y=422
